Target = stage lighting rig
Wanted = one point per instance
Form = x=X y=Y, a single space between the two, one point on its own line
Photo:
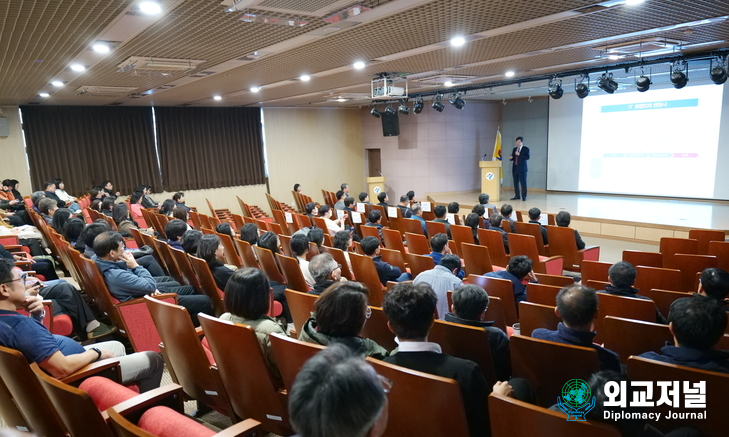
x=679 y=74
x=607 y=84
x=555 y=88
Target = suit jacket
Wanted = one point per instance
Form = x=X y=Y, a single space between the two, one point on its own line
x=523 y=158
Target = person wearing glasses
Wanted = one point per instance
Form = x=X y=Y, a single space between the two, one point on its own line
x=337 y=393
x=340 y=314
x=325 y=272
x=61 y=356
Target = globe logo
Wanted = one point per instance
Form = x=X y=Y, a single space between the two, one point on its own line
x=489 y=176
x=576 y=393
x=377 y=190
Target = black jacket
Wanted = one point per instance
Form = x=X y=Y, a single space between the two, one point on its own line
x=54 y=196
x=221 y=274
x=498 y=341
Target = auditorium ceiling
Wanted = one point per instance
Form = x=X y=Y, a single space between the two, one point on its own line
x=194 y=50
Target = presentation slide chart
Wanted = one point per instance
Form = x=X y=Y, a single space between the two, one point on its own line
x=661 y=142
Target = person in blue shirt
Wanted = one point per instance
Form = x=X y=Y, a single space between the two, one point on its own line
x=418 y=215
x=519 y=268
x=440 y=248
x=386 y=272
x=174 y=230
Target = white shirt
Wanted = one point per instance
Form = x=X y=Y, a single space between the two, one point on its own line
x=63 y=195
x=441 y=280
x=332 y=227
x=418 y=346
x=304 y=265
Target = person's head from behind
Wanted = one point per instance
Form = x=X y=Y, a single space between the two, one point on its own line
x=470 y=302
x=411 y=195
x=136 y=197
x=72 y=229
x=337 y=393
x=483 y=199
x=316 y=236
x=297 y=188
x=312 y=208
x=506 y=210
x=697 y=323
x=495 y=220
x=440 y=211
x=249 y=233
x=417 y=210
x=714 y=283
x=107 y=204
x=225 y=228
x=96 y=193
x=404 y=200
x=348 y=202
x=167 y=207
x=479 y=210
x=453 y=208
x=174 y=229
x=364 y=197
x=179 y=197
x=342 y=240
x=577 y=306
x=341 y=195
x=520 y=266
x=247 y=293
x=375 y=216
x=323 y=268
x=439 y=243
x=299 y=245
x=563 y=219
x=109 y=246
x=36 y=197
x=120 y=212
x=190 y=241
x=60 y=217
x=90 y=232
x=382 y=197
x=473 y=220
x=269 y=241
x=622 y=274
x=211 y=249
x=452 y=263
x=534 y=214
x=410 y=310
x=341 y=310
x=180 y=213
x=370 y=246
x=47 y=206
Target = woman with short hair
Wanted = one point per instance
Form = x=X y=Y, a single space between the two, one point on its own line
x=212 y=251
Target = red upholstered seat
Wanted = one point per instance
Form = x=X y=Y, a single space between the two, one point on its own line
x=106 y=393
x=166 y=422
x=208 y=352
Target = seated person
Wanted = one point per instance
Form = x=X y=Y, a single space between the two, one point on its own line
x=108 y=189
x=167 y=208
x=495 y=222
x=333 y=225
x=374 y=219
x=405 y=207
x=225 y=228
x=126 y=279
x=343 y=241
x=440 y=248
x=269 y=240
x=348 y=204
x=36 y=198
x=107 y=205
x=418 y=215
x=59 y=219
x=697 y=325
x=85 y=244
x=341 y=195
x=175 y=229
x=442 y=278
x=371 y=247
x=249 y=233
x=337 y=393
x=340 y=314
x=182 y=214
x=483 y=199
x=312 y=209
x=534 y=215
x=212 y=251
x=473 y=221
x=136 y=204
x=297 y=188
x=72 y=229
x=469 y=307
x=454 y=208
x=383 y=199
x=70 y=201
x=190 y=241
x=577 y=307
x=60 y=356
x=47 y=208
x=440 y=217
x=247 y=299
x=300 y=248
x=714 y=284
x=480 y=211
x=506 y=212
x=50 y=193
x=41 y=266
x=147 y=201
x=345 y=187
x=622 y=277
x=411 y=198
x=519 y=267
x=179 y=198
x=563 y=219
x=124 y=222
x=316 y=236
x=325 y=272
x=364 y=198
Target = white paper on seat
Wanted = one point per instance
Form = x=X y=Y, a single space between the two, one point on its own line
x=289 y=217
x=357 y=217
x=451 y=218
x=425 y=206
x=392 y=211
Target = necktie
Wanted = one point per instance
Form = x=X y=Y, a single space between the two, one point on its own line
x=516 y=159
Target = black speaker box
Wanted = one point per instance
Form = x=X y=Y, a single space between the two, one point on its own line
x=390 y=125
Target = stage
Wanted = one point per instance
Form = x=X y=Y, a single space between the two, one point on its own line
x=628 y=218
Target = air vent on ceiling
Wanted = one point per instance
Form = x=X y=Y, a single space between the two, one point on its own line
x=441 y=79
x=645 y=45
x=144 y=66
x=94 y=90
x=316 y=8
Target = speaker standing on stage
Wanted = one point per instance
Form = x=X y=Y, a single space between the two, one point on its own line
x=519 y=157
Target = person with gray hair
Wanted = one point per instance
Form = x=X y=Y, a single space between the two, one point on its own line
x=325 y=272
x=36 y=197
x=337 y=393
x=483 y=199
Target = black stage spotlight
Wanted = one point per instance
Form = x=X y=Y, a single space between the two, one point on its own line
x=457 y=102
x=642 y=82
x=718 y=72
x=607 y=84
x=418 y=107
x=390 y=111
x=555 y=88
x=679 y=79
x=437 y=105
x=583 y=89
x=403 y=108
x=375 y=113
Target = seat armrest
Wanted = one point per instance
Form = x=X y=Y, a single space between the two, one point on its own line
x=108 y=368
x=169 y=396
x=140 y=300
x=248 y=427
x=199 y=331
x=554 y=265
x=13 y=247
x=591 y=253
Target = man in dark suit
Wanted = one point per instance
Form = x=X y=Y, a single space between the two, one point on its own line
x=519 y=157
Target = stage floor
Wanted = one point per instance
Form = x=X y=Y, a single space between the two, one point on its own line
x=622 y=217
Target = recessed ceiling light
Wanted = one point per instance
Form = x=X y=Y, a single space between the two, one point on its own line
x=57 y=83
x=359 y=65
x=150 y=8
x=448 y=83
x=509 y=73
x=614 y=57
x=255 y=89
x=217 y=98
x=78 y=67
x=341 y=99
x=100 y=48
x=633 y=2
x=304 y=78
x=44 y=95
x=458 y=41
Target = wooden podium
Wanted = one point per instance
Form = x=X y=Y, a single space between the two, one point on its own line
x=375 y=186
x=490 y=179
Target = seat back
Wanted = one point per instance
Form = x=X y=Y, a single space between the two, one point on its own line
x=245 y=251
x=196 y=222
x=301 y=306
x=28 y=395
x=366 y=273
x=535 y=231
x=413 y=226
x=648 y=278
x=268 y=264
x=293 y=276
x=339 y=257
x=370 y=231
x=394 y=258
x=435 y=228
x=231 y=255
x=501 y=288
x=252 y=389
x=419 y=263
x=393 y=240
x=526 y=245
x=462 y=234
x=417 y=243
x=291 y=355
x=704 y=237
x=477 y=258
x=555 y=280
x=720 y=249
x=208 y=286
x=188 y=274
x=304 y=221
x=542 y=294
x=664 y=298
x=150 y=241
x=670 y=246
x=94 y=283
x=562 y=242
x=533 y=316
x=184 y=354
x=628 y=337
x=639 y=258
x=625 y=307
x=280 y=218
x=595 y=270
x=690 y=265
x=9 y=410
x=534 y=421
x=495 y=243
x=376 y=329
x=440 y=397
x=285 y=244
x=548 y=365
x=467 y=342
x=713 y=424
x=164 y=251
